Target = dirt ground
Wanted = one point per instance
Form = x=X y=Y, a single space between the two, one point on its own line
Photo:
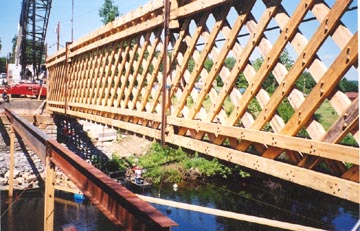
x=125 y=145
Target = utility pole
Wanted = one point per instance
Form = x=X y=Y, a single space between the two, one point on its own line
x=58 y=36
x=72 y=21
x=165 y=69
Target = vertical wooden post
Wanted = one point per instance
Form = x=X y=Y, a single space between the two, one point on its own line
x=12 y=162
x=49 y=192
x=66 y=77
x=10 y=213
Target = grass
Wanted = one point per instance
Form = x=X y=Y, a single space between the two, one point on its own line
x=326 y=115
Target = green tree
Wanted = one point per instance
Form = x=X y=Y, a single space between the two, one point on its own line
x=191 y=64
x=2 y=65
x=0 y=45
x=108 y=12
x=241 y=82
x=305 y=83
x=348 y=86
x=269 y=83
x=11 y=55
x=230 y=62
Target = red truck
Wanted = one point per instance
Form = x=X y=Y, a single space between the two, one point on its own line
x=24 y=90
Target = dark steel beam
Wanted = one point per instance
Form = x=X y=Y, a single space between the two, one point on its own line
x=120 y=205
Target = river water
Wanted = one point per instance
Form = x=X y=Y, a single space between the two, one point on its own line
x=290 y=203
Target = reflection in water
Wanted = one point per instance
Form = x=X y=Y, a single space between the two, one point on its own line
x=27 y=212
x=292 y=204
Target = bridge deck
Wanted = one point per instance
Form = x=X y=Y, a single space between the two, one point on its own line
x=247 y=82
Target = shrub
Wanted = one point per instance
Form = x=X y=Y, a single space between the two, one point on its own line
x=165 y=164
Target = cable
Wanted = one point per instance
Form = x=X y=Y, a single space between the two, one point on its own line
x=265 y=203
x=13 y=203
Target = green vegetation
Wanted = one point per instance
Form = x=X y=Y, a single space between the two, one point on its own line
x=2 y=64
x=326 y=115
x=108 y=12
x=174 y=165
x=348 y=85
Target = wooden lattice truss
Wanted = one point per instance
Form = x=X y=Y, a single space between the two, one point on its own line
x=230 y=111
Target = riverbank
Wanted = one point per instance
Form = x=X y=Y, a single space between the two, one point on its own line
x=29 y=169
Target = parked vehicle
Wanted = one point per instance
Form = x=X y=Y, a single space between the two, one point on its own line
x=3 y=78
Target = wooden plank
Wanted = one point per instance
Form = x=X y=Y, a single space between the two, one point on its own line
x=143 y=109
x=179 y=46
x=317 y=68
x=191 y=40
x=197 y=7
x=230 y=41
x=75 y=84
x=141 y=27
x=313 y=147
x=128 y=68
x=242 y=61
x=109 y=102
x=113 y=27
x=325 y=183
x=150 y=58
x=99 y=77
x=124 y=53
x=249 y=72
x=139 y=129
x=49 y=195
x=325 y=28
x=265 y=115
x=105 y=76
x=341 y=34
x=151 y=84
x=199 y=66
x=316 y=148
x=11 y=161
x=227 y=214
x=141 y=53
x=50 y=62
x=341 y=127
x=352 y=173
x=97 y=62
x=340 y=102
x=271 y=61
x=335 y=72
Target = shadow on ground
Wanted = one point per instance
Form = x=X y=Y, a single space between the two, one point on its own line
x=71 y=133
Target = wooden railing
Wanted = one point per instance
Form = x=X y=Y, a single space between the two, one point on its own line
x=255 y=83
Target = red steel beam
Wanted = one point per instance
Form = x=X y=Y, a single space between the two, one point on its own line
x=118 y=204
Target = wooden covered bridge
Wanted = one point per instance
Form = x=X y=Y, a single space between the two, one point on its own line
x=255 y=83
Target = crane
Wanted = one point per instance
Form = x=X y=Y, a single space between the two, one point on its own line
x=30 y=45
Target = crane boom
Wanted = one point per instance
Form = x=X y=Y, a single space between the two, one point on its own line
x=30 y=46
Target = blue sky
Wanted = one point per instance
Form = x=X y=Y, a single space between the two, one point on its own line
x=86 y=19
